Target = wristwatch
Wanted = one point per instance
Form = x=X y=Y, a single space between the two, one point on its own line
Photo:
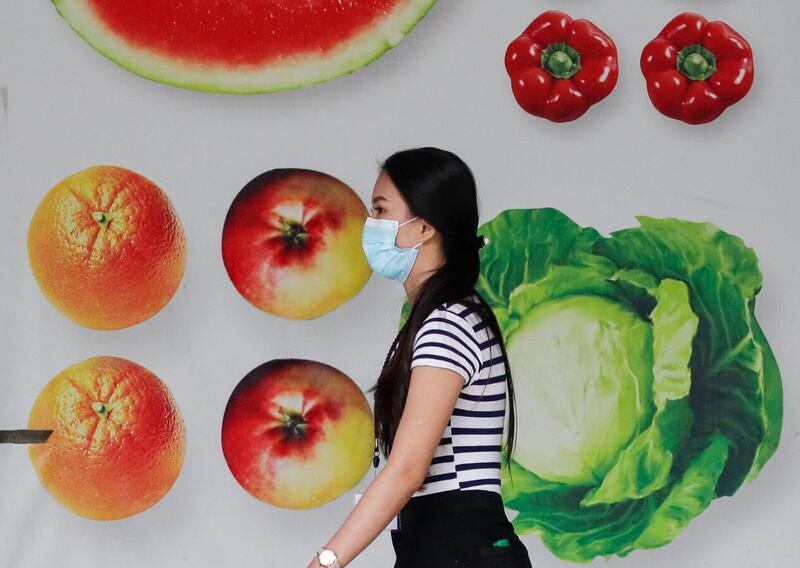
x=327 y=557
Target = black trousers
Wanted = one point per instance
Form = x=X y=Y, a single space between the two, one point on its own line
x=456 y=529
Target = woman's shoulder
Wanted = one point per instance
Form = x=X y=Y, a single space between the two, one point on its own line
x=448 y=338
x=461 y=308
x=457 y=313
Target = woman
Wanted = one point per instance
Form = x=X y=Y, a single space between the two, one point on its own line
x=440 y=398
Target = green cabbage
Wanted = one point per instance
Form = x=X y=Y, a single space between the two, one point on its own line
x=644 y=385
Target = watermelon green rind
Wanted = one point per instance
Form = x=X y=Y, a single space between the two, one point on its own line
x=309 y=69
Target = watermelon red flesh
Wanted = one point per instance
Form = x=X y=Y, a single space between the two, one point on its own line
x=242 y=45
x=241 y=31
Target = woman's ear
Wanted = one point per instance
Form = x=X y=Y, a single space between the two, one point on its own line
x=428 y=231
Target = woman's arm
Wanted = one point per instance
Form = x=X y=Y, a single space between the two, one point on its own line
x=384 y=497
x=432 y=395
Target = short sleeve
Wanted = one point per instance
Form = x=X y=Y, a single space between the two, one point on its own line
x=447 y=340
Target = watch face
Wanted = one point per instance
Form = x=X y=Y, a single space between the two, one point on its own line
x=327 y=557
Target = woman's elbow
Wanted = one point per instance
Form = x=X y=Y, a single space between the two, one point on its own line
x=408 y=474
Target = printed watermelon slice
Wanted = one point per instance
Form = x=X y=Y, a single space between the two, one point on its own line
x=242 y=46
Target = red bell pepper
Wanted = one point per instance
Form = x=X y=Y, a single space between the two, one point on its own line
x=695 y=69
x=559 y=67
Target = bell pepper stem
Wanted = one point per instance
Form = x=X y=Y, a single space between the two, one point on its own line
x=561 y=60
x=697 y=62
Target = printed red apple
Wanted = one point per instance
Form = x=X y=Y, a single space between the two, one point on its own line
x=291 y=243
x=297 y=433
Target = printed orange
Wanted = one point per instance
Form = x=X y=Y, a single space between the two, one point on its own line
x=118 y=440
x=107 y=248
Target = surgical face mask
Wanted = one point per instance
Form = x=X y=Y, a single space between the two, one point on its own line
x=383 y=255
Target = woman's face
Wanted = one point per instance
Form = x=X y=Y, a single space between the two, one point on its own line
x=388 y=203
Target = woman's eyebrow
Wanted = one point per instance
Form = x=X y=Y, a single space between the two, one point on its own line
x=379 y=198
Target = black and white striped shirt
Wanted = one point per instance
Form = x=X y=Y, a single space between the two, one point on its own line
x=468 y=456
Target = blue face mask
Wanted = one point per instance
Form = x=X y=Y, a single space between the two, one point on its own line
x=383 y=255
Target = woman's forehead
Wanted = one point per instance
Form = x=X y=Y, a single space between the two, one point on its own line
x=384 y=190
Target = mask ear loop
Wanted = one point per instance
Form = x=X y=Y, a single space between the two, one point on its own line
x=404 y=222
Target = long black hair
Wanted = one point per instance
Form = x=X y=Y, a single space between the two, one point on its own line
x=438 y=186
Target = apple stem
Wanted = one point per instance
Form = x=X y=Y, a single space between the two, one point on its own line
x=294 y=422
x=296 y=233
